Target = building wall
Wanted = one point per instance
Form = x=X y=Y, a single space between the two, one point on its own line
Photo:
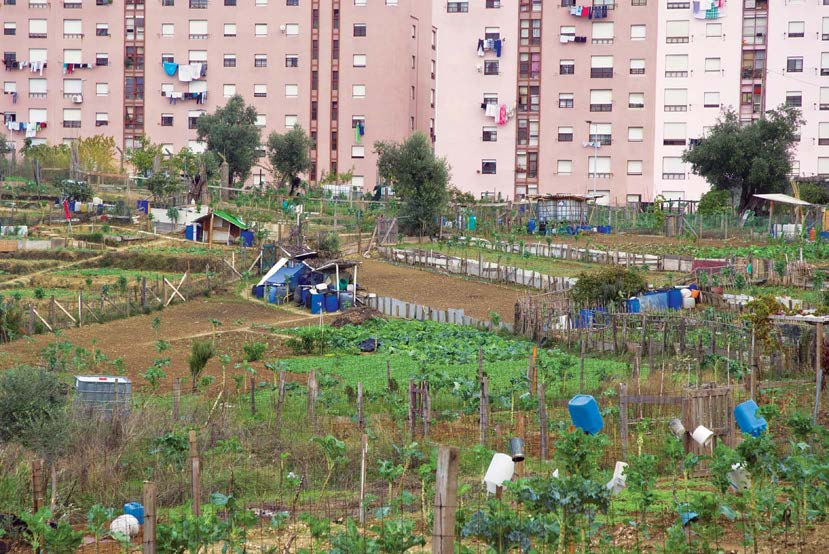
x=703 y=42
x=461 y=86
x=614 y=184
x=54 y=41
x=808 y=84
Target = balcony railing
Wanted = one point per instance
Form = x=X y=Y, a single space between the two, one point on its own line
x=601 y=107
x=601 y=72
x=72 y=124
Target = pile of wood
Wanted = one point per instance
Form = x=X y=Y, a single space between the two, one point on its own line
x=356 y=316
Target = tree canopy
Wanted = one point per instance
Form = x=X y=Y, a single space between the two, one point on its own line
x=232 y=134
x=289 y=154
x=166 y=174
x=419 y=179
x=748 y=159
x=96 y=154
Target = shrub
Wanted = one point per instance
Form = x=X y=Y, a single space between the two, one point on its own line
x=32 y=407
x=11 y=319
x=607 y=286
x=715 y=202
x=39 y=293
x=200 y=354
x=328 y=245
x=95 y=237
x=254 y=351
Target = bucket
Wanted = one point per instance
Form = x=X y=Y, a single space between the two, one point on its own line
x=689 y=303
x=331 y=302
x=686 y=293
x=316 y=302
x=748 y=421
x=135 y=509
x=677 y=428
x=516 y=448
x=500 y=469
x=702 y=435
x=584 y=412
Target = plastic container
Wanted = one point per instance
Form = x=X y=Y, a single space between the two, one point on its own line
x=674 y=299
x=316 y=302
x=472 y=224
x=259 y=291
x=516 y=448
x=346 y=300
x=331 y=302
x=125 y=524
x=272 y=295
x=247 y=238
x=500 y=469
x=584 y=412
x=689 y=303
x=531 y=226
x=677 y=428
x=304 y=296
x=136 y=510
x=748 y=421
x=702 y=435
x=633 y=306
x=686 y=293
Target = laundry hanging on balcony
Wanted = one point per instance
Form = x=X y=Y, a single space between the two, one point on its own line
x=708 y=9
x=170 y=68
x=359 y=131
x=590 y=12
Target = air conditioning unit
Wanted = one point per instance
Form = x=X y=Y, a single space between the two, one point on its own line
x=77 y=99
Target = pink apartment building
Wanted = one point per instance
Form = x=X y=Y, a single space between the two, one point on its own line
x=331 y=66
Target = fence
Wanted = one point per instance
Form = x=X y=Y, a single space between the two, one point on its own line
x=480 y=269
x=406 y=310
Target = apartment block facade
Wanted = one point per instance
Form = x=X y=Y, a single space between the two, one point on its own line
x=350 y=72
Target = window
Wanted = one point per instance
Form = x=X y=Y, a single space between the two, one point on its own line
x=713 y=29
x=676 y=100
x=101 y=58
x=794 y=64
x=37 y=87
x=291 y=60
x=601 y=67
x=677 y=31
x=195 y=146
x=261 y=120
x=564 y=167
x=493 y=33
x=713 y=65
x=566 y=67
x=493 y=4
x=167 y=120
x=37 y=115
x=358 y=151
x=823 y=133
x=391 y=2
x=711 y=100
x=634 y=167
x=636 y=100
x=291 y=90
x=261 y=91
x=9 y=28
x=262 y=3
x=359 y=60
x=72 y=118
x=292 y=2
x=676 y=65
x=567 y=30
x=488 y=167
x=673 y=168
x=291 y=121
x=292 y=29
x=637 y=66
x=824 y=98
x=102 y=89
x=166 y=89
x=823 y=166
x=636 y=134
x=824 y=30
x=598 y=166
x=37 y=28
x=359 y=29
x=565 y=99
x=602 y=32
x=489 y=134
x=681 y=5
x=102 y=29
x=601 y=133
x=432 y=97
x=565 y=134
x=198 y=28
x=168 y=30
x=101 y=119
x=824 y=63
x=198 y=4
x=229 y=90
x=637 y=32
x=72 y=56
x=360 y=3
x=529 y=32
x=167 y=58
x=230 y=29
x=260 y=60
x=358 y=91
x=229 y=60
x=457 y=7
x=601 y=100
x=491 y=67
x=797 y=29
x=674 y=134
x=72 y=28
x=39 y=54
x=260 y=29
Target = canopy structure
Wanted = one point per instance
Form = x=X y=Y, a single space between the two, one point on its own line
x=783 y=199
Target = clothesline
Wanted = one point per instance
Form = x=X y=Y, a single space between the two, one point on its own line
x=186 y=72
x=490 y=44
x=36 y=66
x=590 y=12
x=30 y=128
x=174 y=96
x=68 y=68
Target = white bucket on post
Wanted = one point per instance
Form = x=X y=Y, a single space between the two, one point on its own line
x=500 y=469
x=702 y=435
x=619 y=480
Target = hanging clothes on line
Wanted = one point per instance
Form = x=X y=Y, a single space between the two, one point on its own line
x=497 y=46
x=185 y=73
x=502 y=115
x=170 y=68
x=481 y=47
x=492 y=111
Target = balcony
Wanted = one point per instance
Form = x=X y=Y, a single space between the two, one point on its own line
x=199 y=36
x=601 y=107
x=37 y=95
x=565 y=137
x=72 y=124
x=604 y=140
x=72 y=35
x=37 y=35
x=601 y=72
x=673 y=176
x=198 y=4
x=676 y=108
x=673 y=142
x=676 y=74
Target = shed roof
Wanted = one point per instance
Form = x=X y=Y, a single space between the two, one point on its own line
x=221 y=214
x=783 y=199
x=564 y=196
x=322 y=265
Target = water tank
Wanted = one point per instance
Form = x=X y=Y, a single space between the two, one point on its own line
x=748 y=421
x=584 y=412
x=633 y=306
x=272 y=294
x=331 y=302
x=317 y=300
x=531 y=226
x=135 y=509
x=259 y=291
x=101 y=393
x=674 y=299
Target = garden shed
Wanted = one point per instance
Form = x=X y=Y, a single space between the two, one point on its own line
x=221 y=226
x=561 y=207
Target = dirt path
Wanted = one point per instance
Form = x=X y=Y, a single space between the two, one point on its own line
x=438 y=291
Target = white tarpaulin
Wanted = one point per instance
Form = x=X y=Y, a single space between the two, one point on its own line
x=783 y=199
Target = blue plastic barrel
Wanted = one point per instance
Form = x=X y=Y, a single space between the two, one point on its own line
x=331 y=302
x=316 y=302
x=584 y=413
x=531 y=226
x=748 y=421
x=674 y=299
x=633 y=306
x=824 y=235
x=247 y=238
x=303 y=298
x=272 y=295
x=259 y=291
x=136 y=510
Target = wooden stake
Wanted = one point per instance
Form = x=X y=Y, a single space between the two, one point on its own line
x=363 y=466
x=252 y=395
x=484 y=406
x=280 y=398
x=149 y=517
x=818 y=370
x=311 y=400
x=38 y=500
x=195 y=483
x=360 y=421
x=542 y=419
x=176 y=399
x=446 y=500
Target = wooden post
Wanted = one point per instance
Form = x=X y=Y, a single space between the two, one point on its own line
x=38 y=500
x=311 y=399
x=280 y=398
x=446 y=500
x=388 y=376
x=363 y=466
x=252 y=395
x=427 y=408
x=149 y=518
x=176 y=398
x=484 y=405
x=520 y=431
x=533 y=372
x=80 y=308
x=623 y=418
x=143 y=294
x=755 y=367
x=412 y=418
x=360 y=420
x=542 y=419
x=818 y=370
x=195 y=482
x=581 y=361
